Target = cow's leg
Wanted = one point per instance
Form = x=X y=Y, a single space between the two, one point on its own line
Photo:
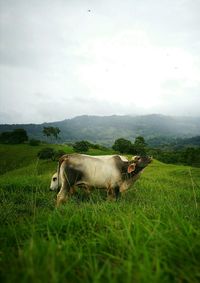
x=85 y=186
x=72 y=191
x=117 y=192
x=110 y=193
x=63 y=193
x=87 y=190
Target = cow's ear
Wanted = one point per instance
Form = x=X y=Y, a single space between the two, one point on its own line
x=131 y=168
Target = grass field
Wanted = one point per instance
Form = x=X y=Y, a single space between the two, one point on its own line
x=151 y=234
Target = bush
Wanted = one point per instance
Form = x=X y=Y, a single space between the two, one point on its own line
x=81 y=146
x=93 y=145
x=34 y=142
x=46 y=153
x=58 y=154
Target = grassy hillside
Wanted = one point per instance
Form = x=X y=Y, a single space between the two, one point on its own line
x=152 y=234
x=16 y=156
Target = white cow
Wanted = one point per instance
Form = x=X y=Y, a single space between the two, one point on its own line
x=113 y=173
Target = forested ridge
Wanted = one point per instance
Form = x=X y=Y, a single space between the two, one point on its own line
x=156 y=129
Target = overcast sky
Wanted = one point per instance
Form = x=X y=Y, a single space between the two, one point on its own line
x=63 y=58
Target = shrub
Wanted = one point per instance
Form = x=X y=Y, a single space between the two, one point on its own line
x=46 y=153
x=58 y=154
x=95 y=146
x=34 y=142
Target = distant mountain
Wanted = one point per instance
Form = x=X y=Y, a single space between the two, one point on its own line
x=105 y=129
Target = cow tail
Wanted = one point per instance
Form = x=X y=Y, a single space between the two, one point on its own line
x=58 y=174
x=63 y=158
x=58 y=167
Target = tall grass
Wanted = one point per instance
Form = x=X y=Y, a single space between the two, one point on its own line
x=151 y=234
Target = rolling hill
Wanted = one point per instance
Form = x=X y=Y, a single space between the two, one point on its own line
x=105 y=129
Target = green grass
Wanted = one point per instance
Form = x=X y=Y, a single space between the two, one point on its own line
x=151 y=234
x=17 y=156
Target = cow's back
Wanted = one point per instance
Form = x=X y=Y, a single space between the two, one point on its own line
x=97 y=172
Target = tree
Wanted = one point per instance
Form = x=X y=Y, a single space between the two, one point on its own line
x=133 y=150
x=5 y=137
x=56 y=132
x=81 y=146
x=15 y=137
x=140 y=146
x=46 y=131
x=122 y=145
x=51 y=131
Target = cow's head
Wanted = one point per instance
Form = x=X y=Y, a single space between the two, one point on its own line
x=142 y=162
x=138 y=163
x=135 y=158
x=54 y=182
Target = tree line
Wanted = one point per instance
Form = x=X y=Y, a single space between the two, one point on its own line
x=139 y=147
x=187 y=156
x=18 y=136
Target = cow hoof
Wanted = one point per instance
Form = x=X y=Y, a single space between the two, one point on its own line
x=111 y=198
x=60 y=201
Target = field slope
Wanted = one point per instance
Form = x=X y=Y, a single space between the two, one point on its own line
x=151 y=234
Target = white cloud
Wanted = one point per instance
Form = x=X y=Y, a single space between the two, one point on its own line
x=128 y=68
